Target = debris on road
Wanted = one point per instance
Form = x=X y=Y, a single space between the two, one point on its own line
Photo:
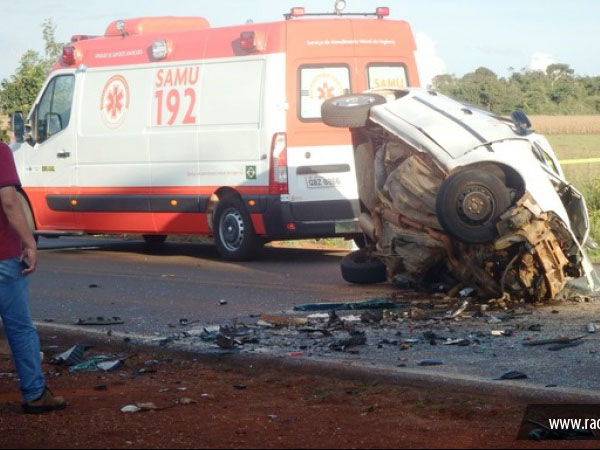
x=71 y=357
x=512 y=375
x=100 y=320
x=559 y=340
x=557 y=347
x=356 y=338
x=377 y=303
x=130 y=409
x=591 y=327
x=109 y=366
x=431 y=362
x=89 y=365
x=186 y=322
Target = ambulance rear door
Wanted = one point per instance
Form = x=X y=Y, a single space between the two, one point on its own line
x=322 y=181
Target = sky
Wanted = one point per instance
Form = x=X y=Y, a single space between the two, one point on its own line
x=453 y=36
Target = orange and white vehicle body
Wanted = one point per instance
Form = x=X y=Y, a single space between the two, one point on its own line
x=143 y=129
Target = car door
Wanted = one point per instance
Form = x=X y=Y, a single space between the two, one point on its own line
x=52 y=159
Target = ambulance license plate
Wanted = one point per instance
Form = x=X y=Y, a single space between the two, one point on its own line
x=316 y=181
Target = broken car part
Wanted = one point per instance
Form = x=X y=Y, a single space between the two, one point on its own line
x=367 y=304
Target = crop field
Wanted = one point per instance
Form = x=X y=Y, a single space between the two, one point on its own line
x=566 y=124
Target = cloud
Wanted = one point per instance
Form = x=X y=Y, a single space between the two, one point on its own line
x=539 y=61
x=429 y=64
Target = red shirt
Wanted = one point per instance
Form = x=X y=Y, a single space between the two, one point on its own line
x=10 y=243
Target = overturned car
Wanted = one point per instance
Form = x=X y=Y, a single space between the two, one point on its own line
x=453 y=191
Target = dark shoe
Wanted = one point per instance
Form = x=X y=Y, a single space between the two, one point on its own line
x=46 y=402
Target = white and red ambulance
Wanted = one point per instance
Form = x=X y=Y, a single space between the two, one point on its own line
x=165 y=125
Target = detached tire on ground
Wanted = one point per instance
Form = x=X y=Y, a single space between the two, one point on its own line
x=349 y=111
x=359 y=268
x=469 y=204
x=234 y=234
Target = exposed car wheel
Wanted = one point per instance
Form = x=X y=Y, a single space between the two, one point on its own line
x=234 y=234
x=349 y=111
x=469 y=203
x=360 y=268
x=154 y=239
x=28 y=214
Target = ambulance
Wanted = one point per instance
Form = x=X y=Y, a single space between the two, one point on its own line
x=167 y=126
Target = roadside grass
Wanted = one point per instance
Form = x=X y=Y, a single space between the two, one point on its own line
x=584 y=176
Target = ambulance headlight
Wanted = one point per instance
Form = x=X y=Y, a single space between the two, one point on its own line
x=160 y=50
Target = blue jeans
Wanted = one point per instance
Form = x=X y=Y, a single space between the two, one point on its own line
x=18 y=327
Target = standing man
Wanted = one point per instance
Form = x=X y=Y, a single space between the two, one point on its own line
x=18 y=258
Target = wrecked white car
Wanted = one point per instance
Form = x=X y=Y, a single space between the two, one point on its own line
x=450 y=190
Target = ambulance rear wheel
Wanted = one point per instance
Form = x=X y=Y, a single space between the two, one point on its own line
x=349 y=111
x=234 y=234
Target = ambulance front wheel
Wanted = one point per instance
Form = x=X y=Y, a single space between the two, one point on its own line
x=234 y=234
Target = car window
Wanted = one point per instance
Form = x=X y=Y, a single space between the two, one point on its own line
x=391 y=76
x=53 y=112
x=544 y=158
x=319 y=83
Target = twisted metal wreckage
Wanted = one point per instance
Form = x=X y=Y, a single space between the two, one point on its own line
x=444 y=183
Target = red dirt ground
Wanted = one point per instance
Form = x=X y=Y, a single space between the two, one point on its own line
x=277 y=409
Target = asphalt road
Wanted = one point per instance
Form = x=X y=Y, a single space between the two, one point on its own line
x=150 y=287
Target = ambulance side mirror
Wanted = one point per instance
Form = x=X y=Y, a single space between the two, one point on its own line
x=17 y=125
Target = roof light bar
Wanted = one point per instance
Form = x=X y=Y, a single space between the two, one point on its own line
x=81 y=37
x=340 y=5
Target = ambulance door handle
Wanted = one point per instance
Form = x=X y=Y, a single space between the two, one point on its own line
x=63 y=154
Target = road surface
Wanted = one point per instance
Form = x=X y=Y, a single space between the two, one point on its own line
x=150 y=287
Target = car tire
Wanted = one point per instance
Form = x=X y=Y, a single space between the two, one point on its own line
x=349 y=111
x=154 y=239
x=233 y=231
x=360 y=268
x=469 y=203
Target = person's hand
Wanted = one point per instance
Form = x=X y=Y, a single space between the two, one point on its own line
x=29 y=260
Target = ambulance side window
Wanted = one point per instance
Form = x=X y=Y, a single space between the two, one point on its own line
x=387 y=76
x=317 y=84
x=53 y=112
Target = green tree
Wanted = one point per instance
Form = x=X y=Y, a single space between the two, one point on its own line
x=20 y=90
